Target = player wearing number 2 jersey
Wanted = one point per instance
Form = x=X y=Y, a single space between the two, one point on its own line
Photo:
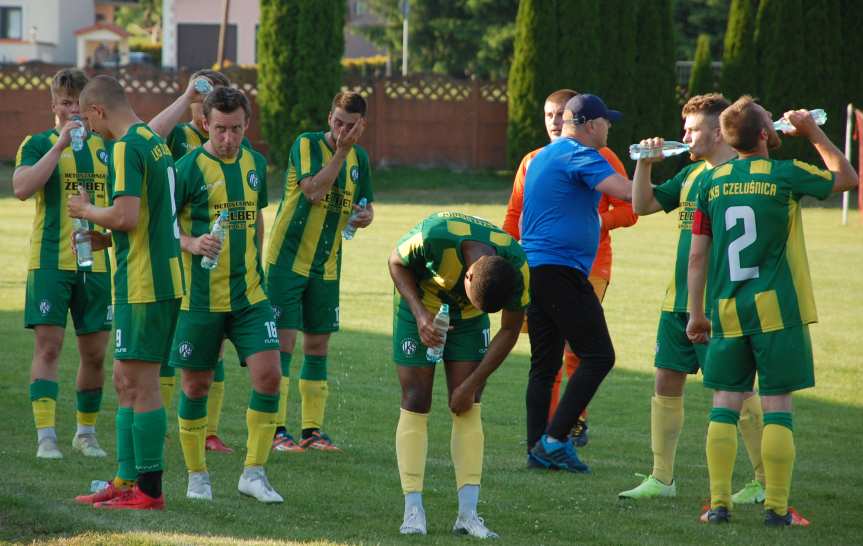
x=748 y=224
x=148 y=285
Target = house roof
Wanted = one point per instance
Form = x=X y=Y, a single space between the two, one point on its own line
x=119 y=31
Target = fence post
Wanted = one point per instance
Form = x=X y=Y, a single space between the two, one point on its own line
x=475 y=102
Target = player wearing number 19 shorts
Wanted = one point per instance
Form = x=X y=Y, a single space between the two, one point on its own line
x=748 y=224
x=228 y=300
x=676 y=356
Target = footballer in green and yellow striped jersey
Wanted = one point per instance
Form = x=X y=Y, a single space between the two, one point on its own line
x=225 y=300
x=475 y=268
x=676 y=356
x=50 y=170
x=748 y=227
x=327 y=175
x=147 y=287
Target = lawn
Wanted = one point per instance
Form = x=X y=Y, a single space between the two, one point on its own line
x=354 y=497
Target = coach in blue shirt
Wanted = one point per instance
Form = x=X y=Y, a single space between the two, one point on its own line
x=560 y=234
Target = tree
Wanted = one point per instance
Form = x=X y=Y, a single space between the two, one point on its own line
x=278 y=63
x=531 y=76
x=738 y=55
x=459 y=38
x=701 y=77
x=615 y=66
x=693 y=18
x=656 y=111
x=144 y=17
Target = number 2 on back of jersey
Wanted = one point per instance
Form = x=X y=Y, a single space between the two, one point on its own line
x=750 y=234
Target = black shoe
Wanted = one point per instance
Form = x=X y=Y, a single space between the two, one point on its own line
x=716 y=515
x=579 y=433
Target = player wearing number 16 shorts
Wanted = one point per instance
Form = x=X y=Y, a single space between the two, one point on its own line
x=227 y=301
x=748 y=224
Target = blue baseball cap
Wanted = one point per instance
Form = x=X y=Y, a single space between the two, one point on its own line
x=586 y=107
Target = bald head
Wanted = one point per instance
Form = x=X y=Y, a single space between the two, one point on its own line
x=104 y=91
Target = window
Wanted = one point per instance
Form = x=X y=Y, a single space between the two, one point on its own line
x=10 y=23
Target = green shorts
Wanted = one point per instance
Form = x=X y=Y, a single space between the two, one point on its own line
x=467 y=341
x=143 y=331
x=783 y=360
x=52 y=294
x=310 y=304
x=674 y=351
x=199 y=334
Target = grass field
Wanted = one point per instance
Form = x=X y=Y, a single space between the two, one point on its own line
x=354 y=497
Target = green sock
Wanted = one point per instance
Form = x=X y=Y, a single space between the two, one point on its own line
x=125 y=445
x=149 y=431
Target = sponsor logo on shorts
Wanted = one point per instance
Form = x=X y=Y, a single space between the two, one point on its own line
x=409 y=346
x=185 y=349
x=656 y=350
x=103 y=156
x=253 y=180
x=44 y=307
x=277 y=312
x=355 y=173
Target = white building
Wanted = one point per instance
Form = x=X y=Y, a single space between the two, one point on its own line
x=42 y=30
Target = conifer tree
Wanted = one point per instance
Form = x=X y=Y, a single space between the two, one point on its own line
x=701 y=77
x=739 y=72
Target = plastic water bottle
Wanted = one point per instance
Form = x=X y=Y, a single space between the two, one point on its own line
x=441 y=324
x=203 y=86
x=98 y=485
x=782 y=124
x=218 y=232
x=351 y=229
x=669 y=148
x=83 y=246
x=78 y=135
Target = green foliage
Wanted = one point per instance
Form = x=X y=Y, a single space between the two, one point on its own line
x=655 y=111
x=701 y=77
x=532 y=76
x=459 y=38
x=144 y=45
x=300 y=45
x=693 y=18
x=739 y=65
x=142 y=17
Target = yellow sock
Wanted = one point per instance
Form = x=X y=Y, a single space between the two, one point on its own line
x=314 y=402
x=777 y=451
x=282 y=413
x=666 y=422
x=466 y=446
x=262 y=426
x=193 y=435
x=120 y=483
x=86 y=419
x=412 y=449
x=166 y=389
x=215 y=398
x=721 y=455
x=44 y=411
x=750 y=425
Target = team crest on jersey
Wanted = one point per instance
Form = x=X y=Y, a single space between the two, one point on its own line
x=355 y=173
x=103 y=156
x=185 y=349
x=409 y=346
x=253 y=180
x=44 y=307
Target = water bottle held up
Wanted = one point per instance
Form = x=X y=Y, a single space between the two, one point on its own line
x=218 y=231
x=203 y=86
x=351 y=229
x=669 y=148
x=83 y=246
x=441 y=324
x=78 y=135
x=782 y=124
